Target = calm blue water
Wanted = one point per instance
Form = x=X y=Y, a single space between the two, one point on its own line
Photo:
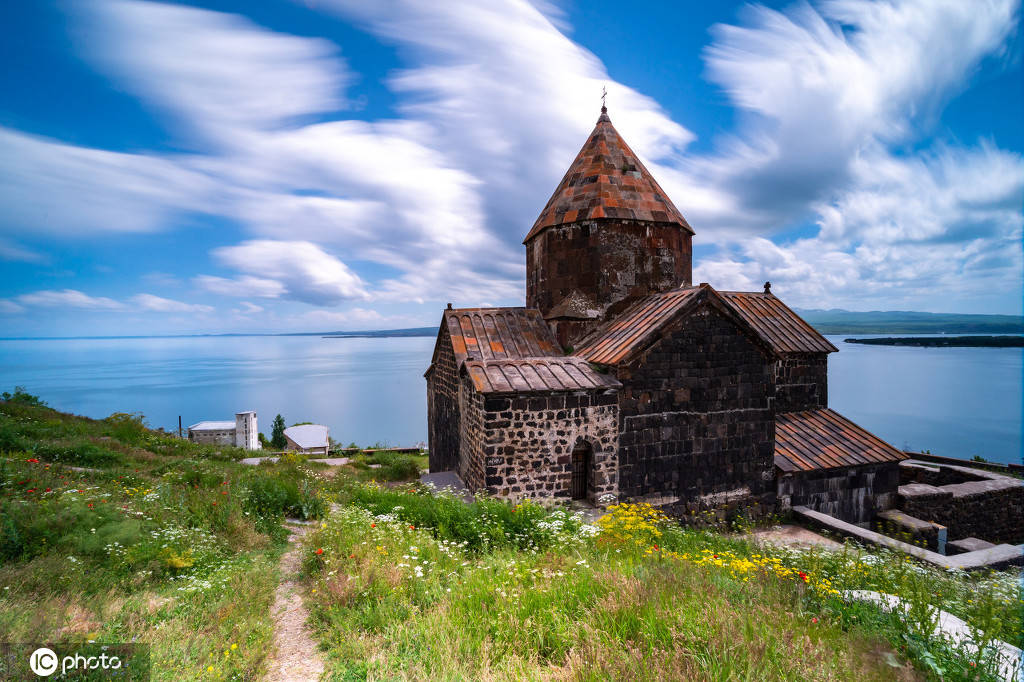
x=952 y=401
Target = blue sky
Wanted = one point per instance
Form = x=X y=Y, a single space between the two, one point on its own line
x=335 y=164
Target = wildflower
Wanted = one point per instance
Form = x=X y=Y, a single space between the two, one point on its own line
x=320 y=550
x=234 y=646
x=90 y=505
x=412 y=527
x=33 y=460
x=351 y=556
x=31 y=490
x=373 y=525
x=814 y=620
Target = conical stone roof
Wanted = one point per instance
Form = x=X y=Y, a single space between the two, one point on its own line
x=607 y=180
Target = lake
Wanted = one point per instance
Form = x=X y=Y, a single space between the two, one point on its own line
x=953 y=401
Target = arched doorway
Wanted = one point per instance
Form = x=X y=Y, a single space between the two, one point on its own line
x=582 y=459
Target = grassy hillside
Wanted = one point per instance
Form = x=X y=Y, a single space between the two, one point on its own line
x=906 y=322
x=110 y=532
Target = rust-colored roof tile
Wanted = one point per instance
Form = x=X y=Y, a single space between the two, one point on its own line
x=825 y=439
x=776 y=323
x=540 y=374
x=499 y=333
x=616 y=340
x=605 y=171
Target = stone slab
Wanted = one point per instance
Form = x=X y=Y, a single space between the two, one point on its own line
x=952 y=629
x=254 y=461
x=905 y=520
x=450 y=480
x=969 y=545
x=332 y=461
x=999 y=556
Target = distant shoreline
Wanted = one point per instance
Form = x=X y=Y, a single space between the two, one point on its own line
x=946 y=341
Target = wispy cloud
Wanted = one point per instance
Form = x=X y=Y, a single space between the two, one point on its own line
x=305 y=272
x=149 y=302
x=68 y=298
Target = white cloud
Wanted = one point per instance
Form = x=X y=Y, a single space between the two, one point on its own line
x=12 y=251
x=307 y=272
x=248 y=308
x=923 y=229
x=220 y=73
x=239 y=287
x=149 y=302
x=68 y=298
x=50 y=188
x=9 y=307
x=495 y=102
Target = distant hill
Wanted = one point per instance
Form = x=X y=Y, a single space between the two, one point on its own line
x=380 y=333
x=838 y=321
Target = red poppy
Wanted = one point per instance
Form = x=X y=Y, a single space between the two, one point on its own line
x=31 y=490
x=803 y=576
x=373 y=525
x=655 y=548
x=320 y=550
x=351 y=556
x=214 y=504
x=48 y=490
x=90 y=505
x=412 y=527
x=814 y=620
x=223 y=492
x=33 y=460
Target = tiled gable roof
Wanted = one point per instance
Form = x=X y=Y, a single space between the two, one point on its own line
x=776 y=323
x=498 y=334
x=607 y=180
x=537 y=375
x=825 y=439
x=617 y=339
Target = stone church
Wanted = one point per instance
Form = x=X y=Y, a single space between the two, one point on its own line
x=621 y=380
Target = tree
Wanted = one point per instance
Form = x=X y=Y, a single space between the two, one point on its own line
x=277 y=433
x=264 y=443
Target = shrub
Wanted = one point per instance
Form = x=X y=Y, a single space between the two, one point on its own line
x=83 y=453
x=22 y=397
x=481 y=526
x=394 y=466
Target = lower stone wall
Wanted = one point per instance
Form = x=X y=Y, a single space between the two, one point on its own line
x=991 y=509
x=471 y=437
x=852 y=494
x=528 y=442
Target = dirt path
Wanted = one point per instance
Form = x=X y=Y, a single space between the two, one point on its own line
x=296 y=657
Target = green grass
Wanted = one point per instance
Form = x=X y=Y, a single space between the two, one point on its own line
x=157 y=540
x=415 y=586
x=149 y=539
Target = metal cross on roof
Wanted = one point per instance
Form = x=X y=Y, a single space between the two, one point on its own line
x=604 y=93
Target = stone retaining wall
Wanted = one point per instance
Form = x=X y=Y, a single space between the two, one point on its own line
x=991 y=509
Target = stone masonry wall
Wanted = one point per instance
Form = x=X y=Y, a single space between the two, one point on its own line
x=527 y=441
x=851 y=494
x=443 y=407
x=991 y=509
x=605 y=260
x=801 y=382
x=696 y=419
x=471 y=436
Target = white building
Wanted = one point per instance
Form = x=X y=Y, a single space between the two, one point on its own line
x=242 y=432
x=310 y=439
